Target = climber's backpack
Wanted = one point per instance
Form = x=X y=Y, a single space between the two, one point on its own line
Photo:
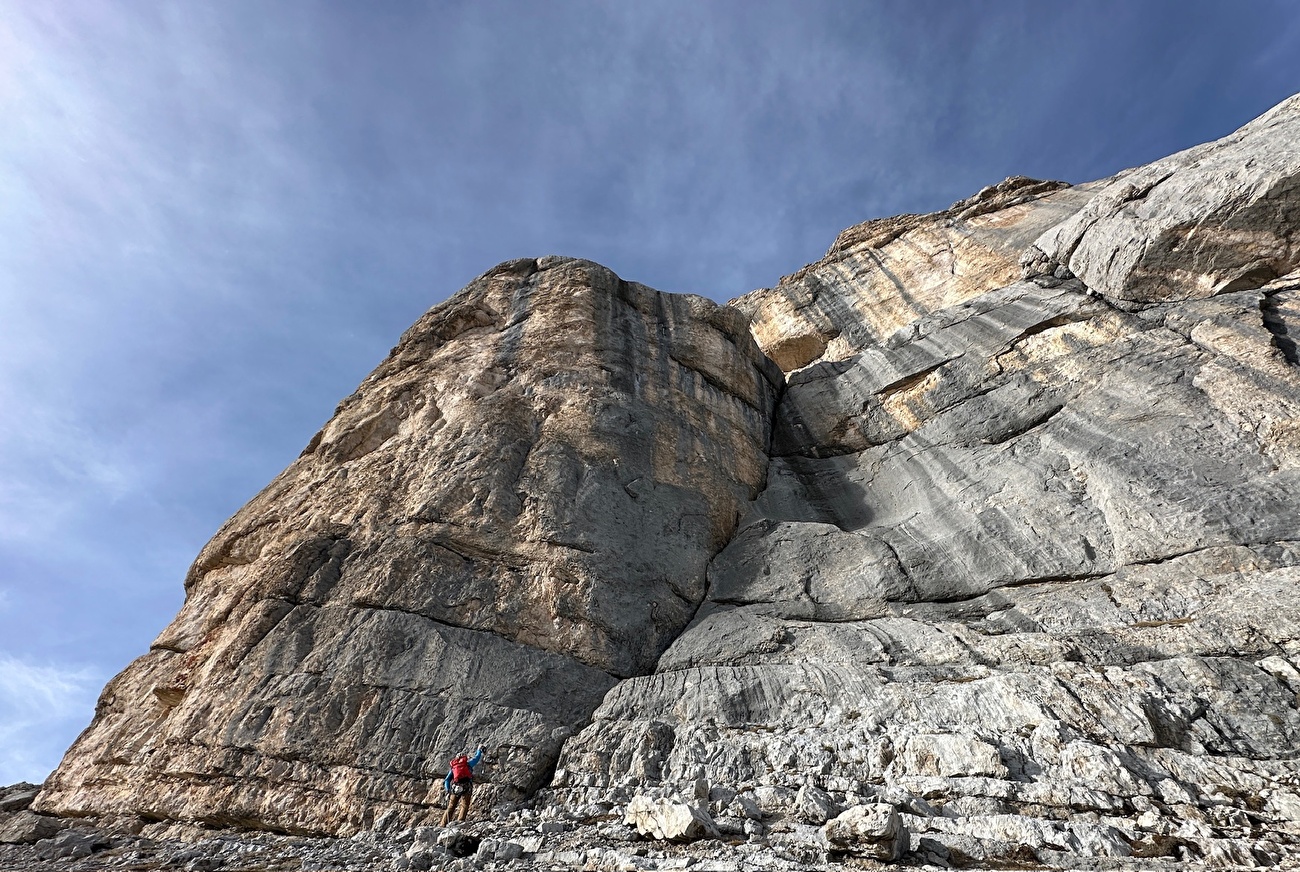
x=461 y=774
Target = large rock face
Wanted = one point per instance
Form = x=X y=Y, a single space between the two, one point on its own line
x=512 y=512
x=1016 y=552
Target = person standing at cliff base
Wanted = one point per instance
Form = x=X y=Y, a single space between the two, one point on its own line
x=459 y=784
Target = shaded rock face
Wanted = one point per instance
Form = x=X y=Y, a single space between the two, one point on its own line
x=992 y=522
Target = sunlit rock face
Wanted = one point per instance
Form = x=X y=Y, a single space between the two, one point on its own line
x=514 y=510
x=991 y=516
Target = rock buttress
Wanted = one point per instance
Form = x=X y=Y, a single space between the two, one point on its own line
x=515 y=509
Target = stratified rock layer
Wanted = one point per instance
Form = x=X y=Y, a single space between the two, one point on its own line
x=1016 y=554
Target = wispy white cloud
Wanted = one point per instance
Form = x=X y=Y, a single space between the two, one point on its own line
x=41 y=709
x=46 y=691
x=51 y=464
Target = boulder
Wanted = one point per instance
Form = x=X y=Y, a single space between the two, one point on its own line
x=873 y=831
x=26 y=827
x=743 y=806
x=17 y=797
x=669 y=820
x=70 y=845
x=507 y=851
x=815 y=805
x=458 y=843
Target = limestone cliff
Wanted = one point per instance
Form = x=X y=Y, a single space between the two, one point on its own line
x=513 y=511
x=990 y=515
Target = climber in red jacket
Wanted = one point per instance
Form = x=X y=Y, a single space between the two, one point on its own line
x=459 y=784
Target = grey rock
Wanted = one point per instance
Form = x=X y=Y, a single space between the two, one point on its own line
x=513 y=510
x=507 y=851
x=815 y=805
x=570 y=859
x=419 y=858
x=984 y=525
x=70 y=845
x=729 y=825
x=425 y=835
x=745 y=807
x=26 y=827
x=1023 y=554
x=615 y=833
x=17 y=797
x=950 y=756
x=459 y=844
x=1206 y=221
x=774 y=799
x=723 y=795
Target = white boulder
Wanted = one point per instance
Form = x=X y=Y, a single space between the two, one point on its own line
x=668 y=820
x=874 y=831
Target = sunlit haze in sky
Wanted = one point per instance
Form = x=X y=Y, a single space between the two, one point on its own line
x=216 y=218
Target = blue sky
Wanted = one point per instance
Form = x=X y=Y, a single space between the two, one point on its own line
x=216 y=218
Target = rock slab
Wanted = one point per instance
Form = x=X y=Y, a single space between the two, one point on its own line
x=27 y=827
x=513 y=511
x=1026 y=563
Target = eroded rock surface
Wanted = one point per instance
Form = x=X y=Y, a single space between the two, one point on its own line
x=873 y=831
x=985 y=545
x=666 y=820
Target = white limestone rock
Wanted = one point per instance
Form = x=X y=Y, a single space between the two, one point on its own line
x=950 y=756
x=872 y=831
x=1023 y=553
x=515 y=509
x=1206 y=221
x=815 y=806
x=668 y=820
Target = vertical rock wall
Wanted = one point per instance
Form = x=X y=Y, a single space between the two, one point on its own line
x=512 y=512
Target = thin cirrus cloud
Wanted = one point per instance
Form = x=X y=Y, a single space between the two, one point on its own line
x=215 y=218
x=39 y=705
